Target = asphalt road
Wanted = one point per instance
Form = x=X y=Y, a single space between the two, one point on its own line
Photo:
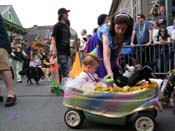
x=37 y=109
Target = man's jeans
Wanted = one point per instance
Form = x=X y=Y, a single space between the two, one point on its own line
x=63 y=65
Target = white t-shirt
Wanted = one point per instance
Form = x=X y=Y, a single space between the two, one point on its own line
x=88 y=76
x=155 y=34
x=173 y=34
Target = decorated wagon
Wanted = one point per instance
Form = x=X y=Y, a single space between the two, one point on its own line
x=138 y=105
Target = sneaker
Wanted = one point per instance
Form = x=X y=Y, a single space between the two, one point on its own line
x=1 y=99
x=19 y=81
x=10 y=101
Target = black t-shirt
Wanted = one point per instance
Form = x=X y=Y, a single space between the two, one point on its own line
x=61 y=33
x=4 y=38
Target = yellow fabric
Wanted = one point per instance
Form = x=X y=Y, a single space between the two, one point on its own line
x=76 y=68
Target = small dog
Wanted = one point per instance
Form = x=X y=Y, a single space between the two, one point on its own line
x=169 y=87
x=134 y=74
x=122 y=80
x=143 y=74
x=35 y=73
x=130 y=70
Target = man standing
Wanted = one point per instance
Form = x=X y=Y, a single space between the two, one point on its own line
x=5 y=71
x=61 y=41
x=143 y=33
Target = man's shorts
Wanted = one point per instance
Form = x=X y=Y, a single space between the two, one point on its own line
x=4 y=60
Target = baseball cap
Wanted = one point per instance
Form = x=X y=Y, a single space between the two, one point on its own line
x=62 y=11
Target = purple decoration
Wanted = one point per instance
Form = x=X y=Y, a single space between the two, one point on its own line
x=13 y=117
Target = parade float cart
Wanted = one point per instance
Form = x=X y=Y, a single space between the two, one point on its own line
x=138 y=105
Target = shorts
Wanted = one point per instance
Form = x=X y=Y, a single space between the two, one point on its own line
x=4 y=60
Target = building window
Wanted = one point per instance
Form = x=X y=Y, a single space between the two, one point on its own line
x=10 y=16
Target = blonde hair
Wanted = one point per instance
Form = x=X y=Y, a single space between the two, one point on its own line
x=89 y=60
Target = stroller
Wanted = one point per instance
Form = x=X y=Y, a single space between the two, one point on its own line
x=118 y=106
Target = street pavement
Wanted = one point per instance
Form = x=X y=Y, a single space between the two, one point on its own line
x=37 y=109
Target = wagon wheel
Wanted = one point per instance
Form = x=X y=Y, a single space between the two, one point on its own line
x=144 y=122
x=74 y=118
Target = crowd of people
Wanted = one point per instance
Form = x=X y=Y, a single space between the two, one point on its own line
x=162 y=36
x=15 y=58
x=152 y=33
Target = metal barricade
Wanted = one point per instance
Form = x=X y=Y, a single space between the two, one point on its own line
x=161 y=56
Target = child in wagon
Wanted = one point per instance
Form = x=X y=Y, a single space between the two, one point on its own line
x=90 y=66
x=88 y=78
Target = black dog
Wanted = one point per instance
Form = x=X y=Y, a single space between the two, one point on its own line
x=134 y=74
x=144 y=74
x=33 y=73
x=122 y=79
x=169 y=88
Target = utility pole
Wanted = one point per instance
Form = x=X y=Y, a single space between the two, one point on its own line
x=168 y=5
